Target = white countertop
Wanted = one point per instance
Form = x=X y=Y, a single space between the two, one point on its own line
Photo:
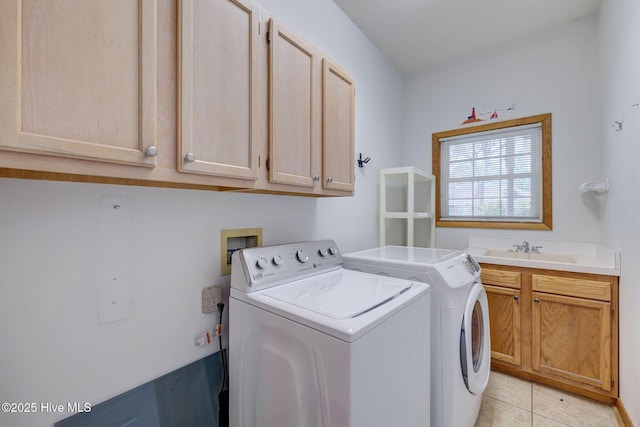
x=592 y=258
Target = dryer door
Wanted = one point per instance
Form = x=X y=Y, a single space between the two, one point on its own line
x=475 y=343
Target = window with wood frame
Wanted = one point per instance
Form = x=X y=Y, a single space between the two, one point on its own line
x=494 y=175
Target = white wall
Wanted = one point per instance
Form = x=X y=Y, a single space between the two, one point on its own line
x=620 y=151
x=60 y=241
x=555 y=71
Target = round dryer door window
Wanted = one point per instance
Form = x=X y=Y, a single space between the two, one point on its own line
x=477 y=337
x=475 y=342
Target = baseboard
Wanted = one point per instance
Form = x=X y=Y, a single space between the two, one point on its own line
x=622 y=412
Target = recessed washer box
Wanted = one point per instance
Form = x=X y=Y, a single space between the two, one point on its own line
x=237 y=238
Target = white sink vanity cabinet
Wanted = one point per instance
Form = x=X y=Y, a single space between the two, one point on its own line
x=554 y=313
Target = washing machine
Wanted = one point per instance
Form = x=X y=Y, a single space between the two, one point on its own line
x=460 y=347
x=312 y=344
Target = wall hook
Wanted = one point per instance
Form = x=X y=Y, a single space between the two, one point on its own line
x=617 y=126
x=362 y=162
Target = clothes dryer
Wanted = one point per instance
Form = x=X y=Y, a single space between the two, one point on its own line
x=312 y=344
x=460 y=347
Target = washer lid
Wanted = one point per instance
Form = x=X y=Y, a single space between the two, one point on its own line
x=408 y=257
x=341 y=295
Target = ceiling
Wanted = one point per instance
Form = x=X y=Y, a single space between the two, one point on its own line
x=417 y=34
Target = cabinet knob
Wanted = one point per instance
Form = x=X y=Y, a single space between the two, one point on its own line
x=516 y=297
x=536 y=300
x=330 y=180
x=190 y=158
x=316 y=178
x=151 y=151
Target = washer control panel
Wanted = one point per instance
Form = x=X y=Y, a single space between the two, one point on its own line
x=253 y=269
x=459 y=271
x=471 y=265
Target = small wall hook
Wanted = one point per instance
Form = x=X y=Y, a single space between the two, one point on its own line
x=362 y=162
x=617 y=126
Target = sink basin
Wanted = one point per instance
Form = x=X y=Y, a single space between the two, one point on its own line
x=579 y=257
x=567 y=259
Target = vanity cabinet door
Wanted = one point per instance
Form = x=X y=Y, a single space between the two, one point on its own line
x=504 y=320
x=219 y=78
x=571 y=338
x=78 y=79
x=505 y=313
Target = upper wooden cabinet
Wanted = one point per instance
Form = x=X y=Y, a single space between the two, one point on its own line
x=338 y=119
x=294 y=102
x=219 y=77
x=206 y=103
x=311 y=116
x=78 y=79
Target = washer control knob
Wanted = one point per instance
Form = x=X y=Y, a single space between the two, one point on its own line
x=468 y=266
x=333 y=250
x=302 y=255
x=262 y=263
x=322 y=252
x=277 y=260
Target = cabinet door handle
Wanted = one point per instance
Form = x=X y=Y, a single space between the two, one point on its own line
x=330 y=180
x=190 y=158
x=316 y=178
x=536 y=300
x=516 y=297
x=151 y=151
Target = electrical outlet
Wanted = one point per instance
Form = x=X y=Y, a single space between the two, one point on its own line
x=211 y=297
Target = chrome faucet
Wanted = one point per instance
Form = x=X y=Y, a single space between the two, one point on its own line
x=524 y=247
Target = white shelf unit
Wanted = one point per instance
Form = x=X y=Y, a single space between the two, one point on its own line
x=407 y=202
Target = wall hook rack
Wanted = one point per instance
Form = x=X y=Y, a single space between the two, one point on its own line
x=362 y=162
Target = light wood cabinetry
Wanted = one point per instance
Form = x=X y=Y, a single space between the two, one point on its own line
x=78 y=79
x=294 y=102
x=311 y=116
x=504 y=313
x=219 y=80
x=93 y=91
x=338 y=127
x=571 y=334
x=565 y=332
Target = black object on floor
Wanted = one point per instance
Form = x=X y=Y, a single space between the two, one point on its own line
x=223 y=408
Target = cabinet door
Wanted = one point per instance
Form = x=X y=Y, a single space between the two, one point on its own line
x=78 y=79
x=293 y=108
x=504 y=321
x=338 y=104
x=572 y=338
x=219 y=88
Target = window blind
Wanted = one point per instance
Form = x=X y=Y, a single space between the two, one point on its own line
x=492 y=176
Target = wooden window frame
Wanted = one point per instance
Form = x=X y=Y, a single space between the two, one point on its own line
x=546 y=200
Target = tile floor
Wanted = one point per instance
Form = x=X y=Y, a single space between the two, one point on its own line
x=513 y=402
